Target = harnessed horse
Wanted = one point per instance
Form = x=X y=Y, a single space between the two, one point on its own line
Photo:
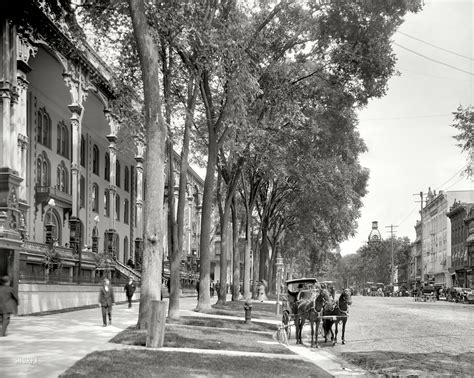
x=312 y=309
x=340 y=312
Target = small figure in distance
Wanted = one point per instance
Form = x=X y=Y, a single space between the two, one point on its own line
x=130 y=288
x=130 y=263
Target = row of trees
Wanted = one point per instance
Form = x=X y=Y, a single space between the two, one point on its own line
x=265 y=93
x=371 y=262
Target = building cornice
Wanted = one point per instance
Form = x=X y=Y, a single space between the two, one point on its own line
x=74 y=48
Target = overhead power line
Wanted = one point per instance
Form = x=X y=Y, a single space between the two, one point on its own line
x=433 y=60
x=406 y=217
x=453 y=176
x=435 y=46
x=454 y=183
x=438 y=188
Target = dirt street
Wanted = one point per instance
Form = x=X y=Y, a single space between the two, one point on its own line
x=401 y=336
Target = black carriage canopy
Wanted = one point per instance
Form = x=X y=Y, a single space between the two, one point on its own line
x=296 y=285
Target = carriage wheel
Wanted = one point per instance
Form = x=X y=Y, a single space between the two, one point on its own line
x=285 y=320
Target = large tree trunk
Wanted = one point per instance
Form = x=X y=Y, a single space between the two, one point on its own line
x=256 y=266
x=175 y=252
x=154 y=168
x=263 y=269
x=247 y=261
x=183 y=173
x=173 y=245
x=272 y=271
x=183 y=179
x=204 y=301
x=225 y=244
x=235 y=253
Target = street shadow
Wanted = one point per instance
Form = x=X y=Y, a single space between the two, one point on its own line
x=390 y=364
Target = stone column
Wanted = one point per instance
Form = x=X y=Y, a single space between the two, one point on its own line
x=8 y=79
x=76 y=82
x=139 y=158
x=114 y=124
x=11 y=216
x=19 y=111
x=190 y=223
x=112 y=187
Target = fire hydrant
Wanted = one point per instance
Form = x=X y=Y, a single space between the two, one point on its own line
x=248 y=312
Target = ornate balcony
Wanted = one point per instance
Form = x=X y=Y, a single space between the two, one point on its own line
x=44 y=193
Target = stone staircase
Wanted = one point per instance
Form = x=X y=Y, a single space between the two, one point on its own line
x=126 y=271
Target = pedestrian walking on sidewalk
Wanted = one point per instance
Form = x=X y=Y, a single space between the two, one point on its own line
x=106 y=300
x=8 y=303
x=129 y=290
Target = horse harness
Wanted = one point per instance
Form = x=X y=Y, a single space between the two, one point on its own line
x=313 y=308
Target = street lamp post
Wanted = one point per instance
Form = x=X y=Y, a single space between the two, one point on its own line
x=279 y=266
x=50 y=224
x=95 y=235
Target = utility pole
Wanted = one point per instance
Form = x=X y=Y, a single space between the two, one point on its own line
x=421 y=233
x=392 y=266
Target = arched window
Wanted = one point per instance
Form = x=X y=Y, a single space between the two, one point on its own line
x=51 y=216
x=82 y=191
x=95 y=198
x=126 y=182
x=117 y=207
x=125 y=249
x=39 y=167
x=95 y=159
x=117 y=173
x=62 y=178
x=64 y=141
x=42 y=170
x=62 y=136
x=107 y=167
x=125 y=211
x=43 y=135
x=106 y=203
x=58 y=142
x=83 y=151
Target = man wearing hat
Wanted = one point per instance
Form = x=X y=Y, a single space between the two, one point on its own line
x=8 y=303
x=130 y=288
x=106 y=300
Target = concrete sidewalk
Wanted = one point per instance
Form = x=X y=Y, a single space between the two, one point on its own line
x=45 y=346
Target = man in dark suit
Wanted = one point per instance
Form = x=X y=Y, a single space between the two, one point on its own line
x=129 y=290
x=106 y=300
x=8 y=303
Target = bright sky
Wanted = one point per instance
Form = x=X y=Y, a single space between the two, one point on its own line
x=408 y=131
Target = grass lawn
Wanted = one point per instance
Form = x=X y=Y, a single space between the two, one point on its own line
x=236 y=308
x=223 y=323
x=145 y=363
x=209 y=333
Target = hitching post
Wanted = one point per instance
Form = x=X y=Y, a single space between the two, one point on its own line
x=156 y=325
x=279 y=266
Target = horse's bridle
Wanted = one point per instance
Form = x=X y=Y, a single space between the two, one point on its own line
x=344 y=299
x=325 y=300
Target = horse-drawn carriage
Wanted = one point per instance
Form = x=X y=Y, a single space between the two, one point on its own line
x=426 y=293
x=305 y=299
x=296 y=289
